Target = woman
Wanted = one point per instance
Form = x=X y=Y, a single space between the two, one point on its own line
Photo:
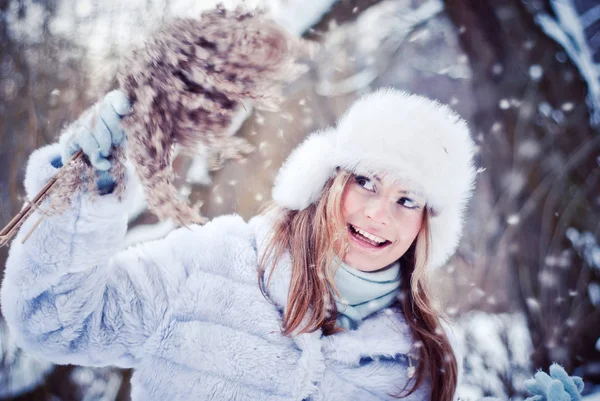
x=361 y=214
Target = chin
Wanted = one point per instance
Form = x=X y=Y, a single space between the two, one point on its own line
x=363 y=263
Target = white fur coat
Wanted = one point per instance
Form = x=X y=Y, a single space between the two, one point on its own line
x=185 y=312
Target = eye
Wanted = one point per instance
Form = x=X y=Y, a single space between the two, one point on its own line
x=408 y=203
x=364 y=182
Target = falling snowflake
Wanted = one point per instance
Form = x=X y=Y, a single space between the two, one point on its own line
x=497 y=69
x=587 y=246
x=545 y=109
x=547 y=278
x=533 y=304
x=260 y=120
x=594 y=293
x=536 y=72
x=529 y=149
x=568 y=106
x=513 y=219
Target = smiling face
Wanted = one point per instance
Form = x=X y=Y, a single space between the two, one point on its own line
x=382 y=218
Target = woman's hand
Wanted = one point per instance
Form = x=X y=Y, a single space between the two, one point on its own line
x=97 y=130
x=558 y=386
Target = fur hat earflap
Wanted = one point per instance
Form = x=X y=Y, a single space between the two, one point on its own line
x=404 y=137
x=303 y=175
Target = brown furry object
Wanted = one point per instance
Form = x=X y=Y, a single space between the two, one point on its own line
x=185 y=85
x=79 y=174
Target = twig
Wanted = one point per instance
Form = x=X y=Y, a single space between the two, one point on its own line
x=39 y=221
x=9 y=231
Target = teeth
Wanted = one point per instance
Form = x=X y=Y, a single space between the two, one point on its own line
x=370 y=236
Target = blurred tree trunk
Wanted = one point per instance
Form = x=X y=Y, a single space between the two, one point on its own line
x=541 y=161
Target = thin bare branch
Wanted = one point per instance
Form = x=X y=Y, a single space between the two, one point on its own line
x=10 y=230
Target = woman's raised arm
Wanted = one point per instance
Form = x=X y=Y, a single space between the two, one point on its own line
x=70 y=293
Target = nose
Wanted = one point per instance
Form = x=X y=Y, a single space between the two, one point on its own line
x=377 y=210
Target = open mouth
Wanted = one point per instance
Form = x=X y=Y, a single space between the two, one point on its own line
x=367 y=238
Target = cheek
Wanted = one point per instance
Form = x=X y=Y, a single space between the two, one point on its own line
x=351 y=202
x=409 y=226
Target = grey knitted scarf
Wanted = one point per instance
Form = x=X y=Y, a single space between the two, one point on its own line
x=364 y=293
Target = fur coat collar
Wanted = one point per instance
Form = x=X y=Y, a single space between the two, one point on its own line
x=384 y=334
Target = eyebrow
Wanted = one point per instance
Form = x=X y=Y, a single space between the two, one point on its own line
x=402 y=191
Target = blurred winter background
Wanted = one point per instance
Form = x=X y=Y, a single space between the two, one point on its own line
x=524 y=288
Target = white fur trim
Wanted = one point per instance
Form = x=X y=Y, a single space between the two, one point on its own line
x=418 y=141
x=301 y=179
x=350 y=346
x=40 y=170
x=312 y=363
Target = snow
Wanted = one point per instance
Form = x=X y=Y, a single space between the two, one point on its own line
x=395 y=23
x=494 y=348
x=591 y=397
x=296 y=15
x=529 y=149
x=536 y=72
x=19 y=372
x=545 y=109
x=27 y=27
x=594 y=293
x=587 y=246
x=513 y=219
x=568 y=30
x=97 y=384
x=113 y=25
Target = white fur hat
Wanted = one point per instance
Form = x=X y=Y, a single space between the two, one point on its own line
x=406 y=137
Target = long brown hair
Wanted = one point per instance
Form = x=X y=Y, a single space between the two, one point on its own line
x=314 y=237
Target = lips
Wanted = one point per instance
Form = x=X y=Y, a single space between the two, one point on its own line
x=367 y=239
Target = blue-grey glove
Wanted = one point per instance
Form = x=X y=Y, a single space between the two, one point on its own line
x=558 y=386
x=97 y=130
